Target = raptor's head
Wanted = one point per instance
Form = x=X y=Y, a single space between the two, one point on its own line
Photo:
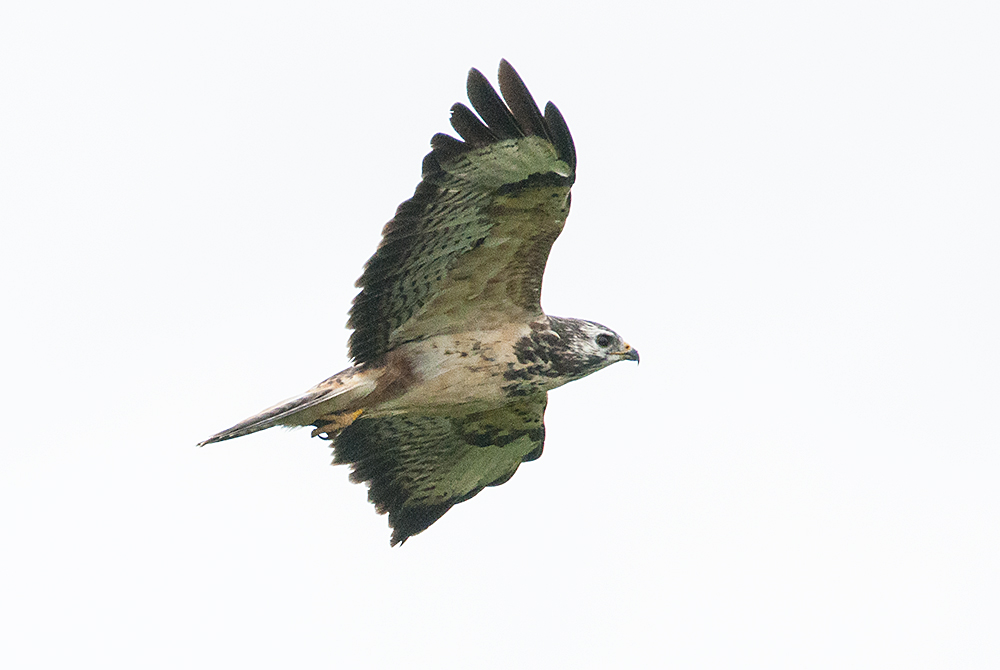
x=584 y=347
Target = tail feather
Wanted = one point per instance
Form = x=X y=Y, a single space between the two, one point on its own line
x=334 y=394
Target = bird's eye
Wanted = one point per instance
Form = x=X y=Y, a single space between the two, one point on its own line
x=604 y=340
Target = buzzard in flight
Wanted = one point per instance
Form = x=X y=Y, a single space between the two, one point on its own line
x=453 y=356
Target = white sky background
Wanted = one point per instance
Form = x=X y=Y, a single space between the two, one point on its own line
x=791 y=209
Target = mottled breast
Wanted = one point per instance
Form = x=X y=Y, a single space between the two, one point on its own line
x=480 y=368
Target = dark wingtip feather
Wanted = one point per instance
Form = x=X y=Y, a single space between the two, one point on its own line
x=561 y=137
x=468 y=125
x=408 y=521
x=520 y=101
x=490 y=107
x=446 y=146
x=514 y=115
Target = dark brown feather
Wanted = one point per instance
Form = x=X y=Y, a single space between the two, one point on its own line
x=488 y=105
x=470 y=127
x=520 y=101
x=560 y=135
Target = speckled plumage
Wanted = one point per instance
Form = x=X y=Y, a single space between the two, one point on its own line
x=453 y=354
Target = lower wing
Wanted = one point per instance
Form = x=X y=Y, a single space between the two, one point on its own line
x=419 y=465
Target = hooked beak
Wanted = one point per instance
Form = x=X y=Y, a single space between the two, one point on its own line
x=628 y=353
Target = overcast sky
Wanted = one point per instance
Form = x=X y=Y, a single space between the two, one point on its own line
x=791 y=209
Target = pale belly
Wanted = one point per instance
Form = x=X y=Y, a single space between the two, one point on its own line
x=459 y=369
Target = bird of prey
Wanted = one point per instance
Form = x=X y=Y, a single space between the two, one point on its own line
x=453 y=355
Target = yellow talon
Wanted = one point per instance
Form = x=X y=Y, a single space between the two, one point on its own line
x=335 y=423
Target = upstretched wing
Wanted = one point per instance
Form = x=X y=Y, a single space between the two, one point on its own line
x=468 y=250
x=418 y=466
